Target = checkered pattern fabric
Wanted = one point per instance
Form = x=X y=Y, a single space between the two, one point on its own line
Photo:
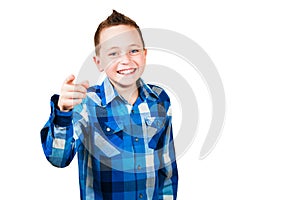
x=125 y=152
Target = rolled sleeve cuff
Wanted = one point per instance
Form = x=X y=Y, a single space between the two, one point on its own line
x=60 y=118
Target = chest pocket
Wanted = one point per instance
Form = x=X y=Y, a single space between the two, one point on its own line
x=156 y=127
x=108 y=138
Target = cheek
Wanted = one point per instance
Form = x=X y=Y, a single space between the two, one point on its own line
x=111 y=69
x=141 y=61
x=108 y=65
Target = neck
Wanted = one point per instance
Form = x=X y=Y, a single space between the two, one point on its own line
x=129 y=93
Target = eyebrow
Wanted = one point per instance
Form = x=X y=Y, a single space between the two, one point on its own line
x=138 y=45
x=131 y=45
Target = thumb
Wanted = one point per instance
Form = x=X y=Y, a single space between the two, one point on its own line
x=70 y=79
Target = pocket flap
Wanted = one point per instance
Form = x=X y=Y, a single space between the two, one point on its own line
x=110 y=128
x=105 y=146
x=106 y=141
x=155 y=122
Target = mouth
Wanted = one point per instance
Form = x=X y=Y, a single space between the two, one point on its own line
x=126 y=71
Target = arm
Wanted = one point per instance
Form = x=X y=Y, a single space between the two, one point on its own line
x=58 y=141
x=168 y=174
x=57 y=136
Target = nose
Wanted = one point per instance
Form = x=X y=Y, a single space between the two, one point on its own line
x=125 y=59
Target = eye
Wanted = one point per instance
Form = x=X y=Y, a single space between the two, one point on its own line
x=134 y=51
x=113 y=54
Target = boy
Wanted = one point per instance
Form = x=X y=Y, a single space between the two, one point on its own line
x=121 y=130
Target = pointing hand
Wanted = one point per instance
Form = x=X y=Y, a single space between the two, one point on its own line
x=72 y=94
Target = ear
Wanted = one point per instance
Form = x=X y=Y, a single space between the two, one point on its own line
x=98 y=64
x=144 y=55
x=145 y=52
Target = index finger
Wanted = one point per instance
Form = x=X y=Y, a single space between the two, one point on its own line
x=70 y=79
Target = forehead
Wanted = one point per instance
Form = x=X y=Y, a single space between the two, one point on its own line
x=119 y=36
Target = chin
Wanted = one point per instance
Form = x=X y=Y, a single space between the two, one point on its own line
x=127 y=83
x=124 y=82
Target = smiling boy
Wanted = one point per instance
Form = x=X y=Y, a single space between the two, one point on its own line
x=121 y=129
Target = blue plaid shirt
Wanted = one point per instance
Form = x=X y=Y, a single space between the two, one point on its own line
x=124 y=151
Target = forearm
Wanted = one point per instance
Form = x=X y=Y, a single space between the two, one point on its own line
x=57 y=137
x=168 y=174
x=168 y=178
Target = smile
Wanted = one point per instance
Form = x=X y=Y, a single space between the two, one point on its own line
x=126 y=71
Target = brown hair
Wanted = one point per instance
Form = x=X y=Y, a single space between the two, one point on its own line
x=114 y=19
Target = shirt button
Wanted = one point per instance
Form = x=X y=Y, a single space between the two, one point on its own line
x=107 y=129
x=141 y=196
x=136 y=139
x=139 y=167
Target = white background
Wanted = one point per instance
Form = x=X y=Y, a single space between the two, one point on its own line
x=254 y=44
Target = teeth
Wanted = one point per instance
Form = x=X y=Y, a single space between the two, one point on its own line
x=126 y=71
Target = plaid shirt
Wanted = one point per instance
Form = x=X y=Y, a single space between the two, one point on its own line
x=124 y=151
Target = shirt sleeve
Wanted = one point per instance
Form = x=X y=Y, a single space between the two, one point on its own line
x=168 y=174
x=58 y=141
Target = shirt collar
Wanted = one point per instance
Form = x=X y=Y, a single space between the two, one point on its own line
x=108 y=93
x=145 y=91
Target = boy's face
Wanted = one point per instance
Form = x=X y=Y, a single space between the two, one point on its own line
x=121 y=55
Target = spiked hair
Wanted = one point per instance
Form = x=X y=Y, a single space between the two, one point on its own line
x=114 y=19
